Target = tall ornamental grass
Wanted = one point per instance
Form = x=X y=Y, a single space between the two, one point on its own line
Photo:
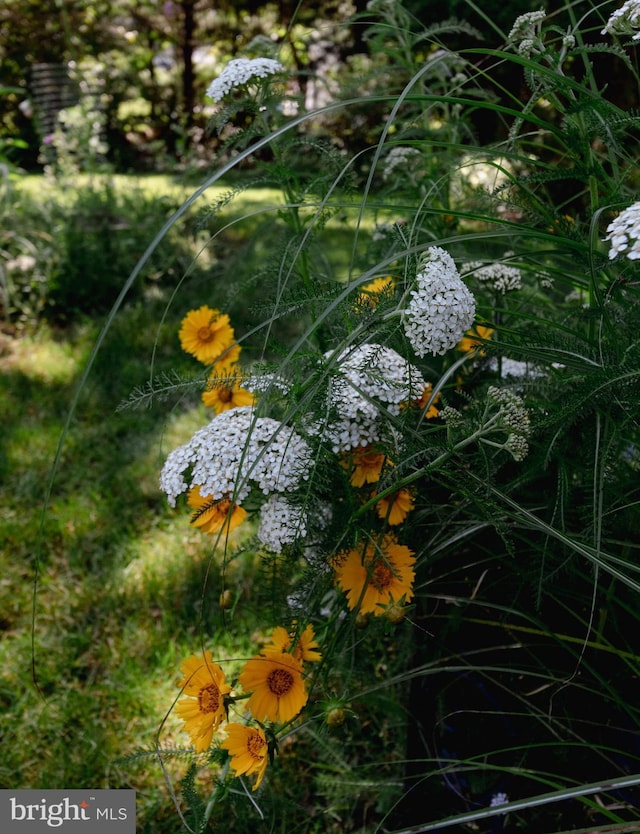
x=419 y=409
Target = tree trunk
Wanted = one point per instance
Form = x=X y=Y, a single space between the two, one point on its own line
x=188 y=30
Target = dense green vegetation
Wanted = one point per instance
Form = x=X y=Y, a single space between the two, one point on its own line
x=381 y=312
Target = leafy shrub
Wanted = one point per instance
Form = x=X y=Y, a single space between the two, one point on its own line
x=68 y=254
x=101 y=235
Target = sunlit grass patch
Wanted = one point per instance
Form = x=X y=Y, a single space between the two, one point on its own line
x=45 y=358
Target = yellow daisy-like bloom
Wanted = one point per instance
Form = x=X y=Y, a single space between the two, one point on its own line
x=421 y=403
x=229 y=356
x=212 y=516
x=248 y=749
x=304 y=649
x=377 y=575
x=277 y=687
x=225 y=391
x=370 y=293
x=470 y=340
x=203 y=711
x=367 y=466
x=396 y=507
x=206 y=334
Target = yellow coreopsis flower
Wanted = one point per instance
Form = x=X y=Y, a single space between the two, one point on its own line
x=229 y=356
x=367 y=465
x=421 y=403
x=376 y=575
x=304 y=649
x=396 y=507
x=206 y=334
x=277 y=686
x=203 y=709
x=371 y=292
x=212 y=516
x=470 y=340
x=248 y=749
x=225 y=391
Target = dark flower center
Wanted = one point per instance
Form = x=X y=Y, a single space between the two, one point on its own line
x=255 y=746
x=209 y=698
x=205 y=334
x=381 y=576
x=280 y=681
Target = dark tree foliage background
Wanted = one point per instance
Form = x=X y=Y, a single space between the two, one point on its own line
x=158 y=57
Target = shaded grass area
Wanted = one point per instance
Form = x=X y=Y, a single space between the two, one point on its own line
x=91 y=651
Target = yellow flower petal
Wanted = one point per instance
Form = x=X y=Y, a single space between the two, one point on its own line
x=376 y=575
x=225 y=390
x=248 y=749
x=203 y=709
x=470 y=340
x=304 y=648
x=212 y=516
x=395 y=507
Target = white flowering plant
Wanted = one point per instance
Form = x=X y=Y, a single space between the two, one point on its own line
x=433 y=445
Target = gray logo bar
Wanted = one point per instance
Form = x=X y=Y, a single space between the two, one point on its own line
x=76 y=811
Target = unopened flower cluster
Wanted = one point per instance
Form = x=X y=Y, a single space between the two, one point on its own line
x=624 y=233
x=527 y=25
x=526 y=32
x=441 y=309
x=513 y=417
x=240 y=72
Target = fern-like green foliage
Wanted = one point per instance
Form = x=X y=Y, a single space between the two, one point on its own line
x=166 y=385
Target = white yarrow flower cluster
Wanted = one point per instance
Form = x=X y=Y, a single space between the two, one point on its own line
x=281 y=523
x=235 y=451
x=527 y=47
x=526 y=29
x=514 y=369
x=624 y=233
x=241 y=71
x=267 y=383
x=370 y=380
x=625 y=21
x=441 y=309
x=399 y=157
x=498 y=799
x=500 y=277
x=382 y=231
